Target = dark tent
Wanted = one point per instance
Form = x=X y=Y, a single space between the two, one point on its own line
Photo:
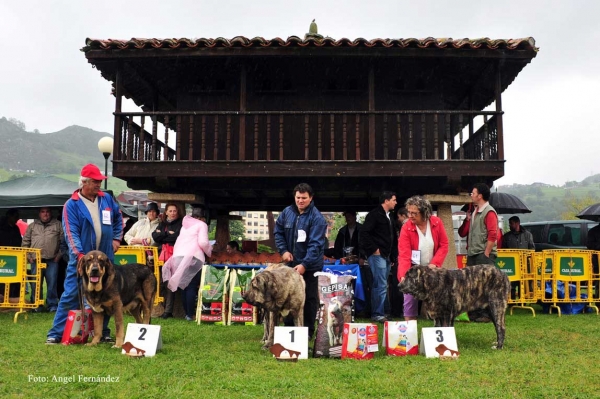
x=30 y=193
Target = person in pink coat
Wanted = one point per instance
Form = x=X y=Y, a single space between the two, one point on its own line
x=423 y=241
x=182 y=270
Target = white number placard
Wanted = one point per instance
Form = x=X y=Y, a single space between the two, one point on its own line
x=293 y=341
x=438 y=341
x=142 y=340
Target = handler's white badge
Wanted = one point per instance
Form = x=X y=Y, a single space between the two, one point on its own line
x=106 y=217
x=415 y=257
x=141 y=340
x=301 y=236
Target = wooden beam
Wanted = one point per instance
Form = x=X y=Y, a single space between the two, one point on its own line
x=371 y=116
x=242 y=138
x=168 y=197
x=499 y=122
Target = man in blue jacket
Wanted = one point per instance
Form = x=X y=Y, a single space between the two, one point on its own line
x=300 y=238
x=91 y=221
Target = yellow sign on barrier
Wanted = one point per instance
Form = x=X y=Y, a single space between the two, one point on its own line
x=567 y=275
x=13 y=270
x=128 y=254
x=518 y=266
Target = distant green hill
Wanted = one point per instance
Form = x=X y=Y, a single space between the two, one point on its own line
x=556 y=202
x=65 y=151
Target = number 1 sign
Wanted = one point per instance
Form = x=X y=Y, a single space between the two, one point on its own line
x=142 y=340
x=292 y=339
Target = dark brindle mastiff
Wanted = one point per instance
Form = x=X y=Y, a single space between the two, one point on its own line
x=279 y=290
x=111 y=289
x=448 y=293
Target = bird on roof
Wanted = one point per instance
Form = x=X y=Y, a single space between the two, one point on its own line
x=313 y=31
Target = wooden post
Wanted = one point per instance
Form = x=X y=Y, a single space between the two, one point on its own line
x=499 y=123
x=371 y=116
x=222 y=232
x=242 y=139
x=118 y=101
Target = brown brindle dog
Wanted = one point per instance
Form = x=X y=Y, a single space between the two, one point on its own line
x=111 y=289
x=448 y=293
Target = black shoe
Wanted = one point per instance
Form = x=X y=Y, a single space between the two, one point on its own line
x=107 y=340
x=166 y=315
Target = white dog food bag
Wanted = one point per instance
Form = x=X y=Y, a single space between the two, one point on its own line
x=400 y=338
x=336 y=297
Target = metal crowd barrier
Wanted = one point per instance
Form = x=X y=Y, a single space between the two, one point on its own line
x=567 y=277
x=13 y=270
x=519 y=267
x=144 y=255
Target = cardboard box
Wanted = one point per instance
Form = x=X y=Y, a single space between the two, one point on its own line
x=400 y=338
x=360 y=340
x=78 y=328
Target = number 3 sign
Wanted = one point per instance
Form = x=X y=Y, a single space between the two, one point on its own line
x=438 y=341
x=142 y=340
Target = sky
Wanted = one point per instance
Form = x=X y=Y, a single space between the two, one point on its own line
x=550 y=125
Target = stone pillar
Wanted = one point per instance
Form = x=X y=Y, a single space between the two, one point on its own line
x=444 y=211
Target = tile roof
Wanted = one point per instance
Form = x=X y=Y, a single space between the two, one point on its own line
x=527 y=43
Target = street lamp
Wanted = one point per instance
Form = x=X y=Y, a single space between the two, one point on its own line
x=105 y=145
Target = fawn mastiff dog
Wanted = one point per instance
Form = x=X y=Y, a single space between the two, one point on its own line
x=112 y=289
x=279 y=290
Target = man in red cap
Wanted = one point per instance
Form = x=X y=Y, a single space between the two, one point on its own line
x=91 y=221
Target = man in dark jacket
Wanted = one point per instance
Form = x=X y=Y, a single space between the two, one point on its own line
x=300 y=239
x=348 y=236
x=518 y=237
x=378 y=243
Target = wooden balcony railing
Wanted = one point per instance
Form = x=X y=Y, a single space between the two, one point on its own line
x=306 y=135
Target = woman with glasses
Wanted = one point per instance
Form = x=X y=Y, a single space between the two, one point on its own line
x=423 y=241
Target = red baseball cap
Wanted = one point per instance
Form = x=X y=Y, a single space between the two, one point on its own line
x=91 y=171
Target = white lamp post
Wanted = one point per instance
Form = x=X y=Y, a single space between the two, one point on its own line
x=105 y=145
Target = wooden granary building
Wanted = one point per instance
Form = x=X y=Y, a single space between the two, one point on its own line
x=241 y=121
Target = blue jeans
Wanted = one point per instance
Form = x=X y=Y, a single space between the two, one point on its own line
x=50 y=273
x=69 y=300
x=380 y=268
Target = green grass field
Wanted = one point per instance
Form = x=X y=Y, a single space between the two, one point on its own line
x=544 y=357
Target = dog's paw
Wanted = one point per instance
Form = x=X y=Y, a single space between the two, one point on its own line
x=495 y=346
x=116 y=346
x=92 y=343
x=265 y=347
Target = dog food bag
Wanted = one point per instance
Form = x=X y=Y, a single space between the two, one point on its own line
x=361 y=341
x=78 y=328
x=239 y=310
x=213 y=295
x=336 y=297
x=400 y=338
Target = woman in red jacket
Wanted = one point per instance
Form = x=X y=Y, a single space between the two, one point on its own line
x=423 y=241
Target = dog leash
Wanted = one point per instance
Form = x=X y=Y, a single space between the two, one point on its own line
x=84 y=327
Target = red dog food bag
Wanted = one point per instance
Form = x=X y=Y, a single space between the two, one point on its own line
x=360 y=341
x=400 y=338
x=78 y=327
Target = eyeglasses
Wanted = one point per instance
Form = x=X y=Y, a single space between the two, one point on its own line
x=413 y=213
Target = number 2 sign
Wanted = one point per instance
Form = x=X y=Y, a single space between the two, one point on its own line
x=142 y=340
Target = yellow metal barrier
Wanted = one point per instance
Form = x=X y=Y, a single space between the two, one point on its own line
x=574 y=269
x=518 y=265
x=144 y=255
x=13 y=270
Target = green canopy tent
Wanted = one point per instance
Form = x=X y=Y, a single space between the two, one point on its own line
x=30 y=193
